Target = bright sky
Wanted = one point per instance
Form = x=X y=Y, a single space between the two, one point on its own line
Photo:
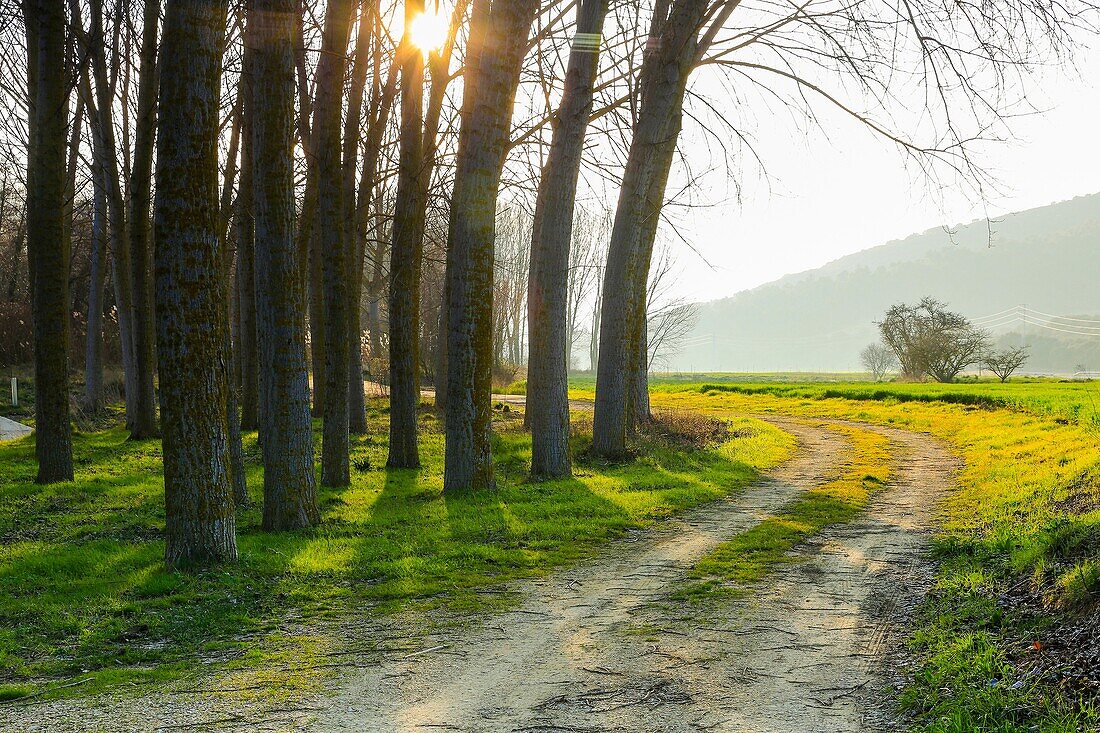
x=832 y=197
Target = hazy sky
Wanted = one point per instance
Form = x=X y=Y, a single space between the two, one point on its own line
x=831 y=197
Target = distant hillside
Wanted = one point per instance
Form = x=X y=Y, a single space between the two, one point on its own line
x=1047 y=258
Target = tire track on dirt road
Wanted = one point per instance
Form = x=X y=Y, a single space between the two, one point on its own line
x=599 y=648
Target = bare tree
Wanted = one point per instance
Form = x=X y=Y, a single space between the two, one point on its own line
x=669 y=317
x=127 y=220
x=878 y=359
x=929 y=339
x=1005 y=362
x=510 y=273
x=586 y=255
x=93 y=347
x=967 y=61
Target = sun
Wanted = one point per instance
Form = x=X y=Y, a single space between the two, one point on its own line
x=428 y=31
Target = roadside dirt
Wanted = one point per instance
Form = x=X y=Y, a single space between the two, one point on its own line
x=10 y=430
x=600 y=648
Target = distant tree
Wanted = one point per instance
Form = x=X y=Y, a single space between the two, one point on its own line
x=669 y=318
x=930 y=340
x=878 y=359
x=1006 y=361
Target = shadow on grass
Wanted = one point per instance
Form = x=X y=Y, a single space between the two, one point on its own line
x=83 y=590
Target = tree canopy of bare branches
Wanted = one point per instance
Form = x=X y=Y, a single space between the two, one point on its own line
x=928 y=339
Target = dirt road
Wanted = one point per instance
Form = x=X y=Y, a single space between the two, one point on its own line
x=601 y=647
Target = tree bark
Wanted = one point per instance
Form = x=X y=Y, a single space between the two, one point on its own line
x=357 y=408
x=191 y=297
x=548 y=281
x=46 y=241
x=406 y=257
x=237 y=478
x=290 y=490
x=105 y=146
x=144 y=423
x=668 y=63
x=246 y=355
x=309 y=243
x=307 y=237
x=639 y=410
x=335 y=470
x=97 y=280
x=440 y=383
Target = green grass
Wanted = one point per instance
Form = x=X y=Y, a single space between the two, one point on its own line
x=84 y=595
x=751 y=555
x=24 y=412
x=1072 y=401
x=1025 y=515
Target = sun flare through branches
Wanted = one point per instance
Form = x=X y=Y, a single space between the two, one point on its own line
x=428 y=31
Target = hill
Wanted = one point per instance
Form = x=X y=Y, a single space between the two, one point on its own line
x=1046 y=259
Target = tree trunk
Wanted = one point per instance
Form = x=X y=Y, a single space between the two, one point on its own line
x=246 y=272
x=144 y=423
x=308 y=241
x=48 y=102
x=548 y=281
x=357 y=401
x=191 y=298
x=638 y=405
x=638 y=408
x=594 y=335
x=93 y=348
x=406 y=257
x=498 y=40
x=237 y=476
x=374 y=313
x=290 y=490
x=101 y=107
x=441 y=354
x=665 y=70
x=357 y=408
x=335 y=470
x=309 y=249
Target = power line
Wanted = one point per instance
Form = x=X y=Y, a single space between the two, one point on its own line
x=1063 y=318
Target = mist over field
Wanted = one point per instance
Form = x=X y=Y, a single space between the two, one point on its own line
x=1027 y=278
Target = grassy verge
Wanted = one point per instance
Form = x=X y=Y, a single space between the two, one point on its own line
x=1071 y=401
x=754 y=553
x=1002 y=641
x=84 y=596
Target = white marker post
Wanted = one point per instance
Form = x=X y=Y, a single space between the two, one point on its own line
x=14 y=392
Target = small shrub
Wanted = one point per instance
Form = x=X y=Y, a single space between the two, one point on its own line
x=689 y=428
